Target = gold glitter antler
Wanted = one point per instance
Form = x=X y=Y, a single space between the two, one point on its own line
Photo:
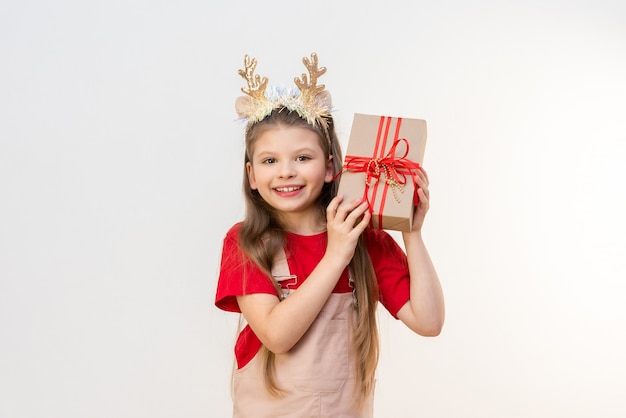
x=256 y=84
x=310 y=89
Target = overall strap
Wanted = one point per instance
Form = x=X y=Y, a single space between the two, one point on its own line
x=281 y=272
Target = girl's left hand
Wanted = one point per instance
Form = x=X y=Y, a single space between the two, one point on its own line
x=421 y=178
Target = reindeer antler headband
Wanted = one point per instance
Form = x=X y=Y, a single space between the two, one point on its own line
x=311 y=102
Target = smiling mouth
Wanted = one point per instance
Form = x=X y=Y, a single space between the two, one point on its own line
x=287 y=189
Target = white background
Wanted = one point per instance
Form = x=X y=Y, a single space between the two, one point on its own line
x=120 y=172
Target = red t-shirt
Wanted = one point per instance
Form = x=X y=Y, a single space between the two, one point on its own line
x=239 y=276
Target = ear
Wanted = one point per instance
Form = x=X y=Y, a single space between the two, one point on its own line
x=251 y=179
x=242 y=106
x=323 y=100
x=330 y=170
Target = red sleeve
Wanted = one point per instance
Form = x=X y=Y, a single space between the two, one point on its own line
x=238 y=275
x=391 y=268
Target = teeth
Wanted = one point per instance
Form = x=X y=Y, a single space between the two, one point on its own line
x=287 y=189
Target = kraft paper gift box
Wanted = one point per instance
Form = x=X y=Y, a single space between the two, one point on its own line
x=383 y=153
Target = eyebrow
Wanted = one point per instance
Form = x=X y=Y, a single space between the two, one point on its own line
x=299 y=151
x=305 y=151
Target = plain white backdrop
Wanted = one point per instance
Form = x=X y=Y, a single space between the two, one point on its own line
x=120 y=172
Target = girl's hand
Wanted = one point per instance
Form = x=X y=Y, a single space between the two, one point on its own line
x=421 y=179
x=345 y=222
x=280 y=325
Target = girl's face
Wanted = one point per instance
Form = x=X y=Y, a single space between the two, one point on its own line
x=289 y=168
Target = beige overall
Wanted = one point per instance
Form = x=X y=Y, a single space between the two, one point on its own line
x=316 y=375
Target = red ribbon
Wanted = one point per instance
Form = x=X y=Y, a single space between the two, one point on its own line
x=389 y=169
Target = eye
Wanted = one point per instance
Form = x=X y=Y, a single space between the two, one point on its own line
x=303 y=158
x=269 y=160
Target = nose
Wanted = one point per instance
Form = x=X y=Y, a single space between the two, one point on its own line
x=286 y=169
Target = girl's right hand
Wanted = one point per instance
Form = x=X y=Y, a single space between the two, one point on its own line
x=280 y=325
x=345 y=222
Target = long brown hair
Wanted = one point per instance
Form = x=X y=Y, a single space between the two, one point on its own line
x=262 y=238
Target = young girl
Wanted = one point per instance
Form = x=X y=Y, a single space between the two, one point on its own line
x=306 y=271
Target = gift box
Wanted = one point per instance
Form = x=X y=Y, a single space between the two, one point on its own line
x=382 y=156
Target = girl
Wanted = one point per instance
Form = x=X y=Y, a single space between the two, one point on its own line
x=306 y=271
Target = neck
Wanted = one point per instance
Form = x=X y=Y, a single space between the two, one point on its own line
x=303 y=225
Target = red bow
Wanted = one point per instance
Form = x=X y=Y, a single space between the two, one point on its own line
x=391 y=170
